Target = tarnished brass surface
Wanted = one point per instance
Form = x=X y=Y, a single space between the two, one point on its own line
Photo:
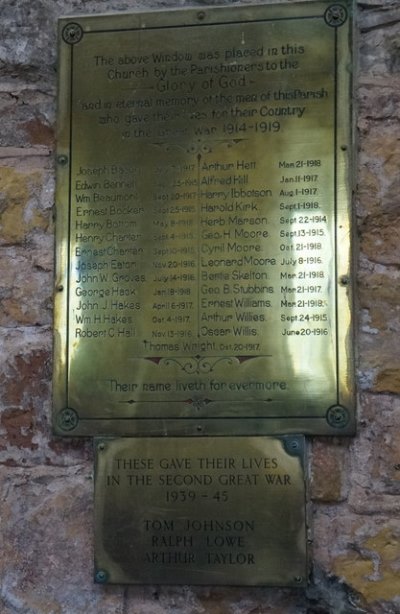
x=200 y=511
x=203 y=222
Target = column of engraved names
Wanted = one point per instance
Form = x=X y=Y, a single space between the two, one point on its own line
x=304 y=233
x=106 y=251
x=235 y=260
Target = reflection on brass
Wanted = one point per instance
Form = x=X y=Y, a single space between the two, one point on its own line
x=200 y=511
x=203 y=222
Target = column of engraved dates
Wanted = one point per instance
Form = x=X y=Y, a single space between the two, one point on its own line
x=304 y=230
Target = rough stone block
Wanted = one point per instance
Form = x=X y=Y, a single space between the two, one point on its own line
x=363 y=552
x=380 y=363
x=328 y=470
x=23 y=213
x=378 y=192
x=27 y=116
x=25 y=288
x=46 y=564
x=379 y=295
x=25 y=403
x=375 y=473
x=371 y=566
x=379 y=39
x=379 y=299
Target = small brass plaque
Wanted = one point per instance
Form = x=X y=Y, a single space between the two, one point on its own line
x=201 y=511
x=203 y=222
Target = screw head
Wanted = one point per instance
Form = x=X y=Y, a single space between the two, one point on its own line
x=101 y=576
x=72 y=33
x=62 y=160
x=337 y=416
x=291 y=445
x=335 y=15
x=67 y=419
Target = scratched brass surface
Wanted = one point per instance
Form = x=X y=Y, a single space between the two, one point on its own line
x=203 y=222
x=200 y=511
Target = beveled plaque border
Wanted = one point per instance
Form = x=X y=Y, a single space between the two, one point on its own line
x=286 y=528
x=338 y=418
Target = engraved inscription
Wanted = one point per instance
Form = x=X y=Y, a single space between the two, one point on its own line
x=213 y=270
x=188 y=512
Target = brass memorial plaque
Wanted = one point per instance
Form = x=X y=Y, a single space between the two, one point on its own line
x=203 y=222
x=228 y=510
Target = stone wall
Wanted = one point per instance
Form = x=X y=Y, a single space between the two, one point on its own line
x=46 y=483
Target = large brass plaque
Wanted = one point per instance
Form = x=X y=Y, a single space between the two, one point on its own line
x=203 y=222
x=200 y=511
